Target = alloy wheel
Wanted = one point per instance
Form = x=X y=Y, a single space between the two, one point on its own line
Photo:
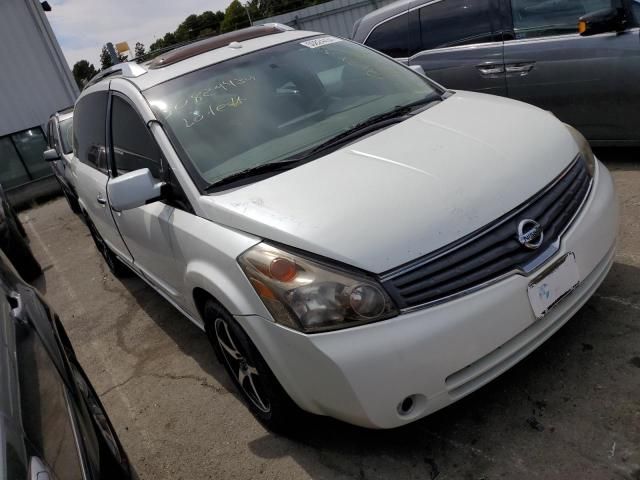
x=244 y=373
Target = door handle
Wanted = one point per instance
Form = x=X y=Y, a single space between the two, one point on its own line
x=15 y=302
x=490 y=68
x=522 y=68
x=101 y=200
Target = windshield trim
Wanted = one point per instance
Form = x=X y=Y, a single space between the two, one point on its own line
x=198 y=180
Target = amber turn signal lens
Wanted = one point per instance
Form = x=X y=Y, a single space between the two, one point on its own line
x=262 y=289
x=582 y=27
x=283 y=269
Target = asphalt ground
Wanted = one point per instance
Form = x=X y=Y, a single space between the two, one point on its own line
x=569 y=410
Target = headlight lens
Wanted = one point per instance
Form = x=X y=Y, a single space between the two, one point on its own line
x=585 y=149
x=310 y=296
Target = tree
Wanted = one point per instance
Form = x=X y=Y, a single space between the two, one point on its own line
x=188 y=29
x=105 y=58
x=83 y=71
x=139 y=49
x=235 y=17
x=166 y=41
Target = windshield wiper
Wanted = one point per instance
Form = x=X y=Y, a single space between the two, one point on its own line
x=265 y=168
x=373 y=123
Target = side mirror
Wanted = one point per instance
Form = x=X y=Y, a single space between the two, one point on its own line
x=50 y=155
x=602 y=21
x=417 y=69
x=133 y=189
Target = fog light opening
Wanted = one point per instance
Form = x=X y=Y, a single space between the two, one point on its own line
x=405 y=407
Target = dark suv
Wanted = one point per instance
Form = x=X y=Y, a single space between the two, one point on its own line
x=587 y=73
x=52 y=424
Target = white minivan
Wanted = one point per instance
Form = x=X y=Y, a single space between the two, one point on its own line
x=356 y=240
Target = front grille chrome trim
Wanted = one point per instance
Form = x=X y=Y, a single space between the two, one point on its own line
x=534 y=265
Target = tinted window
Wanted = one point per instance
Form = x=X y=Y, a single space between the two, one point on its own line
x=12 y=171
x=391 y=37
x=635 y=7
x=45 y=416
x=31 y=144
x=533 y=18
x=133 y=146
x=89 y=132
x=455 y=22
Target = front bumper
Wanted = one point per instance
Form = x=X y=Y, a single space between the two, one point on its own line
x=439 y=354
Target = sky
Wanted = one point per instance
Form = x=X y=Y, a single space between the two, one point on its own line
x=84 y=26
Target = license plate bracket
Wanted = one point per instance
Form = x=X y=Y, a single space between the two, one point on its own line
x=553 y=285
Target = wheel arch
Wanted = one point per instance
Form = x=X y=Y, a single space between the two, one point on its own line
x=224 y=284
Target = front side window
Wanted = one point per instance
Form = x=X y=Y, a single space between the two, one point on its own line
x=90 y=130
x=273 y=104
x=133 y=146
x=391 y=37
x=66 y=135
x=535 y=18
x=45 y=413
x=455 y=22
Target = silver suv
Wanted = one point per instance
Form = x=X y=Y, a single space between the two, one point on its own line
x=529 y=50
x=60 y=153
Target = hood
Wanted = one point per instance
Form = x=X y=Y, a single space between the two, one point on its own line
x=410 y=189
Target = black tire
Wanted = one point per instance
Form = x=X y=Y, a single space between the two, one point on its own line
x=249 y=372
x=117 y=268
x=21 y=256
x=16 y=220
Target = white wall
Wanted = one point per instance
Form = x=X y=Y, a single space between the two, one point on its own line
x=35 y=80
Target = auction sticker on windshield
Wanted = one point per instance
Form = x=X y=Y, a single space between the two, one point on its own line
x=546 y=291
x=320 y=42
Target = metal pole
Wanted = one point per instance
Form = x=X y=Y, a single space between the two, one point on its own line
x=248 y=14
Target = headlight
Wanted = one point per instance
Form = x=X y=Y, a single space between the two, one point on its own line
x=585 y=149
x=307 y=295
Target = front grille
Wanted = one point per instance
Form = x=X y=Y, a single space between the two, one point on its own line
x=494 y=250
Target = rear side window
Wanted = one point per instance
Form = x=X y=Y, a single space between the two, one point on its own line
x=533 y=18
x=455 y=22
x=89 y=131
x=133 y=146
x=391 y=37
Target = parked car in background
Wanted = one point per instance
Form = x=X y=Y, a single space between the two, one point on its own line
x=60 y=153
x=529 y=50
x=52 y=424
x=355 y=240
x=14 y=241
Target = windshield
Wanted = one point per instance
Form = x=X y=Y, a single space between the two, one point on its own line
x=269 y=105
x=66 y=135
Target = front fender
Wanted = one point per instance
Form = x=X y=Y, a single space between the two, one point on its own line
x=227 y=283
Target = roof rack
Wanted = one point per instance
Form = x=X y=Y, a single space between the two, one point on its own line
x=215 y=42
x=125 y=69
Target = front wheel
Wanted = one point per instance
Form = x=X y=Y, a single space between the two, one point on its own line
x=259 y=388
